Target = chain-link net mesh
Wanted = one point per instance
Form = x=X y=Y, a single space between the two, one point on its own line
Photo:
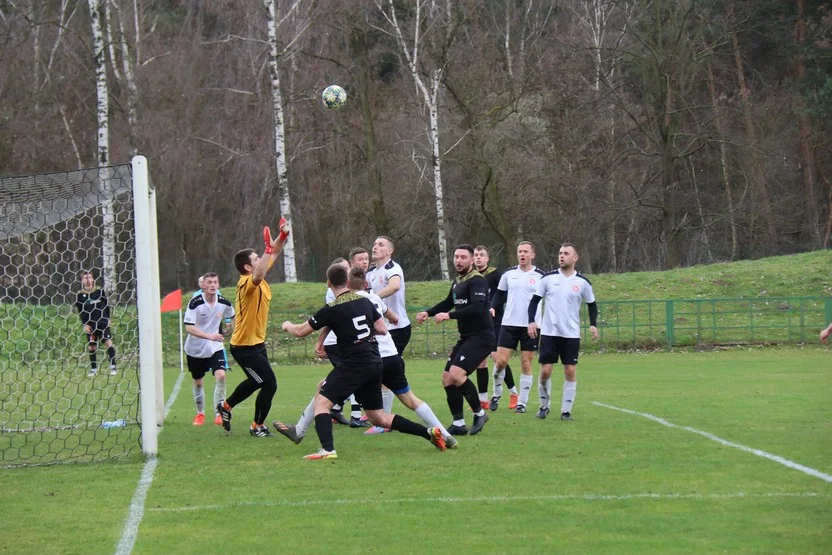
x=57 y=406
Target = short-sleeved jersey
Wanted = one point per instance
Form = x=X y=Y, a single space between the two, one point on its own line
x=252 y=312
x=386 y=346
x=351 y=317
x=93 y=308
x=379 y=278
x=469 y=299
x=331 y=338
x=206 y=317
x=563 y=296
x=519 y=287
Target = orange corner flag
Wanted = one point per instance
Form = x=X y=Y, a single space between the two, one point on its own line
x=172 y=301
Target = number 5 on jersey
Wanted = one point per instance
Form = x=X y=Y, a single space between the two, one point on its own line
x=360 y=323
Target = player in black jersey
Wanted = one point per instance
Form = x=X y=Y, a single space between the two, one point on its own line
x=469 y=299
x=355 y=322
x=492 y=277
x=94 y=311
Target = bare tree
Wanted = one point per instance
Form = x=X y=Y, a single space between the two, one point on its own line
x=108 y=237
x=438 y=18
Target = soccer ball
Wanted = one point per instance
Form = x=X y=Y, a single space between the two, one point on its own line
x=334 y=97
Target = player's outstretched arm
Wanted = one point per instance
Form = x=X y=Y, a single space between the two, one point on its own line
x=298 y=330
x=273 y=246
x=824 y=335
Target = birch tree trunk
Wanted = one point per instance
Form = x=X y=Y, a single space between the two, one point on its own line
x=595 y=16
x=289 y=265
x=129 y=61
x=430 y=98
x=108 y=250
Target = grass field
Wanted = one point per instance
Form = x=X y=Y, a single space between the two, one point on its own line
x=611 y=481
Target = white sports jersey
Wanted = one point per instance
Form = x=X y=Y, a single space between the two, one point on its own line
x=378 y=278
x=563 y=296
x=386 y=347
x=520 y=287
x=207 y=318
x=331 y=339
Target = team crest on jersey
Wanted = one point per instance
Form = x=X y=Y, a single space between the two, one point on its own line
x=576 y=288
x=532 y=281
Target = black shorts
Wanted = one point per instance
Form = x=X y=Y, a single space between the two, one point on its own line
x=333 y=354
x=198 y=367
x=392 y=375
x=469 y=352
x=510 y=336
x=348 y=378
x=254 y=361
x=99 y=333
x=401 y=337
x=552 y=347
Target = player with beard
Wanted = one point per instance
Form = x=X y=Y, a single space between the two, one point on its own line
x=468 y=297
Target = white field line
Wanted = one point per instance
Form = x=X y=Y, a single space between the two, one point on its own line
x=776 y=458
x=134 y=517
x=493 y=499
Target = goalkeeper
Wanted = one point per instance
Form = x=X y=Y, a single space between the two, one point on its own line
x=248 y=342
x=94 y=311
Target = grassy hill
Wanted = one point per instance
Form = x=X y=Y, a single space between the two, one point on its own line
x=808 y=274
x=756 y=282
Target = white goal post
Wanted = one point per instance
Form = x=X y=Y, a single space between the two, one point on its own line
x=148 y=295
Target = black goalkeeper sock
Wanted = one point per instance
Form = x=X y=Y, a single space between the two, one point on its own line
x=482 y=380
x=323 y=425
x=405 y=426
x=470 y=392
x=93 y=360
x=509 y=380
x=455 y=401
x=111 y=352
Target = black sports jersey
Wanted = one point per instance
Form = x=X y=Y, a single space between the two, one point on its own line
x=351 y=317
x=93 y=308
x=469 y=299
x=492 y=278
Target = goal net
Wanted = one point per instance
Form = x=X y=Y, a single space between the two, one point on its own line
x=69 y=355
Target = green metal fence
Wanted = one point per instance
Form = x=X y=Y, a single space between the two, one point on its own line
x=621 y=325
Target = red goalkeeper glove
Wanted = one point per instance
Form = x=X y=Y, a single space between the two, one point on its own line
x=267 y=238
x=284 y=233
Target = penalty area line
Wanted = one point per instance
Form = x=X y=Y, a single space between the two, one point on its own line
x=760 y=453
x=494 y=499
x=134 y=517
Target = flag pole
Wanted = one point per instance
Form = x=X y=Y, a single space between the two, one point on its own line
x=181 y=345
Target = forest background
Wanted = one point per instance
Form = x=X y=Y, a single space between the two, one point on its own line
x=652 y=133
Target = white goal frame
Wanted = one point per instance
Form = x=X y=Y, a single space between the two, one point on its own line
x=148 y=295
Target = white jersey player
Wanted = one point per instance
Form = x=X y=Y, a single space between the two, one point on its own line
x=516 y=288
x=386 y=280
x=204 y=345
x=563 y=291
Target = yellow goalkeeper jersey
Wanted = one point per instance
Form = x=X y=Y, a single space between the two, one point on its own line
x=252 y=312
